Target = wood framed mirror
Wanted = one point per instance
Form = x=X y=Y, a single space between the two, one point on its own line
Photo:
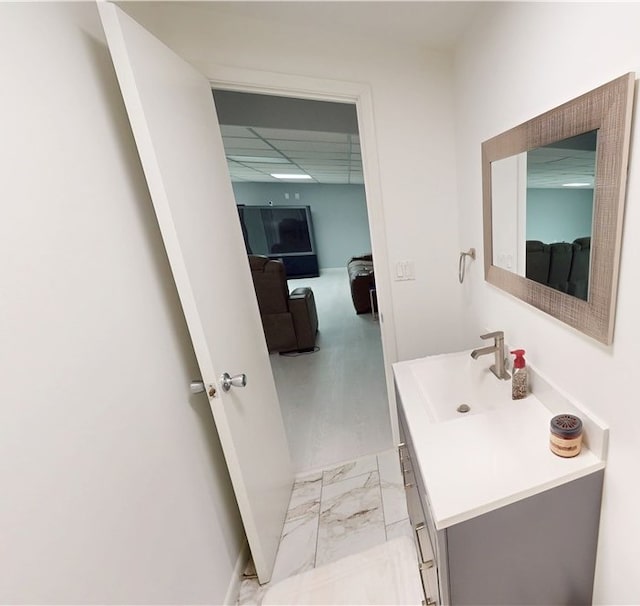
x=555 y=251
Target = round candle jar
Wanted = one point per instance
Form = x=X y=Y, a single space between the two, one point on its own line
x=566 y=435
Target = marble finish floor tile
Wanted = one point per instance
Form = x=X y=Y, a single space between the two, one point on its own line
x=306 y=488
x=337 y=512
x=251 y=592
x=297 y=550
x=351 y=469
x=394 y=501
x=351 y=518
x=399 y=529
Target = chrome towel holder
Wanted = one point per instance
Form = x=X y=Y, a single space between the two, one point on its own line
x=461 y=264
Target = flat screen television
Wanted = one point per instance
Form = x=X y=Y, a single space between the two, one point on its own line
x=277 y=231
x=284 y=233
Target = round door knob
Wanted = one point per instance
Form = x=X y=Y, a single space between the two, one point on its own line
x=236 y=381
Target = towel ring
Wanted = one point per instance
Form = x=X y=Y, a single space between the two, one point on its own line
x=461 y=265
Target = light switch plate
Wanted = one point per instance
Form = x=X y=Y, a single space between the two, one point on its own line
x=405 y=270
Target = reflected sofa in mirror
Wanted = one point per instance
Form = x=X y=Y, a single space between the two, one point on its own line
x=553 y=197
x=546 y=234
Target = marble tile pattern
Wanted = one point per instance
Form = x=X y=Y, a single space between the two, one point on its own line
x=337 y=512
x=297 y=549
x=394 y=501
x=382 y=575
x=351 y=518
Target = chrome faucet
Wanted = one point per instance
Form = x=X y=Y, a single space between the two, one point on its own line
x=498 y=368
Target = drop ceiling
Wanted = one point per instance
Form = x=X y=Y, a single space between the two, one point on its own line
x=254 y=153
x=567 y=163
x=549 y=167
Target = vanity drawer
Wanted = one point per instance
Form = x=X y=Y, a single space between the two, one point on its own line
x=410 y=485
x=420 y=523
x=427 y=565
x=427 y=562
x=417 y=499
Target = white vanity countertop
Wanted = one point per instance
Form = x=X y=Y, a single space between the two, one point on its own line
x=475 y=464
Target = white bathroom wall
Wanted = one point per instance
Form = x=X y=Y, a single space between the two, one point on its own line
x=413 y=115
x=113 y=484
x=521 y=60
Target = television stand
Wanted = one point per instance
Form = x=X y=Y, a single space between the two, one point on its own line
x=300 y=265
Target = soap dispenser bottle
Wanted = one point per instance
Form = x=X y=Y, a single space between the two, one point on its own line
x=519 y=376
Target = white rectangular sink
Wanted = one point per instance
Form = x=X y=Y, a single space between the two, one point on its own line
x=448 y=381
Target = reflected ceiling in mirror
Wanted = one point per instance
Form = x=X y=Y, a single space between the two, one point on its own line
x=542 y=213
x=534 y=207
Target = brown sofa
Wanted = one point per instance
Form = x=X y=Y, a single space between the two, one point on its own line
x=290 y=320
x=361 y=281
x=563 y=266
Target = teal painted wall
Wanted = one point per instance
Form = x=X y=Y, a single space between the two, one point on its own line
x=338 y=213
x=559 y=215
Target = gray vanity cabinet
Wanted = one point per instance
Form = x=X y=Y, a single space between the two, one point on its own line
x=538 y=550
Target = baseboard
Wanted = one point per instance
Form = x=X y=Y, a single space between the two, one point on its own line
x=233 y=590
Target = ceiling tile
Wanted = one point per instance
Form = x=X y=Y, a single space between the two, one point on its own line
x=239 y=142
x=277 y=134
x=236 y=131
x=311 y=155
x=313 y=146
x=327 y=157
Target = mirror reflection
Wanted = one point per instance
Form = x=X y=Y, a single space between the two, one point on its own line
x=542 y=213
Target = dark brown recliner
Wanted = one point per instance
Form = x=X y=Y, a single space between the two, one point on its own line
x=361 y=281
x=290 y=320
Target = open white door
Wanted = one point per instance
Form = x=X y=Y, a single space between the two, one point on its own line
x=172 y=115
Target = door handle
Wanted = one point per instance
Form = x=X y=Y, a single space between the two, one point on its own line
x=196 y=387
x=236 y=381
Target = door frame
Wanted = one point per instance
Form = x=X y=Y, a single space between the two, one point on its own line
x=319 y=89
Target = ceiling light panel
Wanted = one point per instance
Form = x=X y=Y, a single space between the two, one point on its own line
x=275 y=168
x=292 y=176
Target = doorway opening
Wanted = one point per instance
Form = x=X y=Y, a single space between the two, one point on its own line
x=334 y=399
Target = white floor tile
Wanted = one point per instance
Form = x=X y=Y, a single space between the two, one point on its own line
x=394 y=500
x=334 y=402
x=350 y=470
x=251 y=593
x=306 y=488
x=401 y=528
x=351 y=518
x=297 y=550
x=384 y=575
x=338 y=512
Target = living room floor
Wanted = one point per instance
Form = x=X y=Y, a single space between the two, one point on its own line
x=334 y=401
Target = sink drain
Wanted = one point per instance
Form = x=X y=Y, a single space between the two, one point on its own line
x=463 y=408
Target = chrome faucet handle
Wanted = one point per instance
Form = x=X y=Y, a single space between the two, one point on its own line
x=498 y=334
